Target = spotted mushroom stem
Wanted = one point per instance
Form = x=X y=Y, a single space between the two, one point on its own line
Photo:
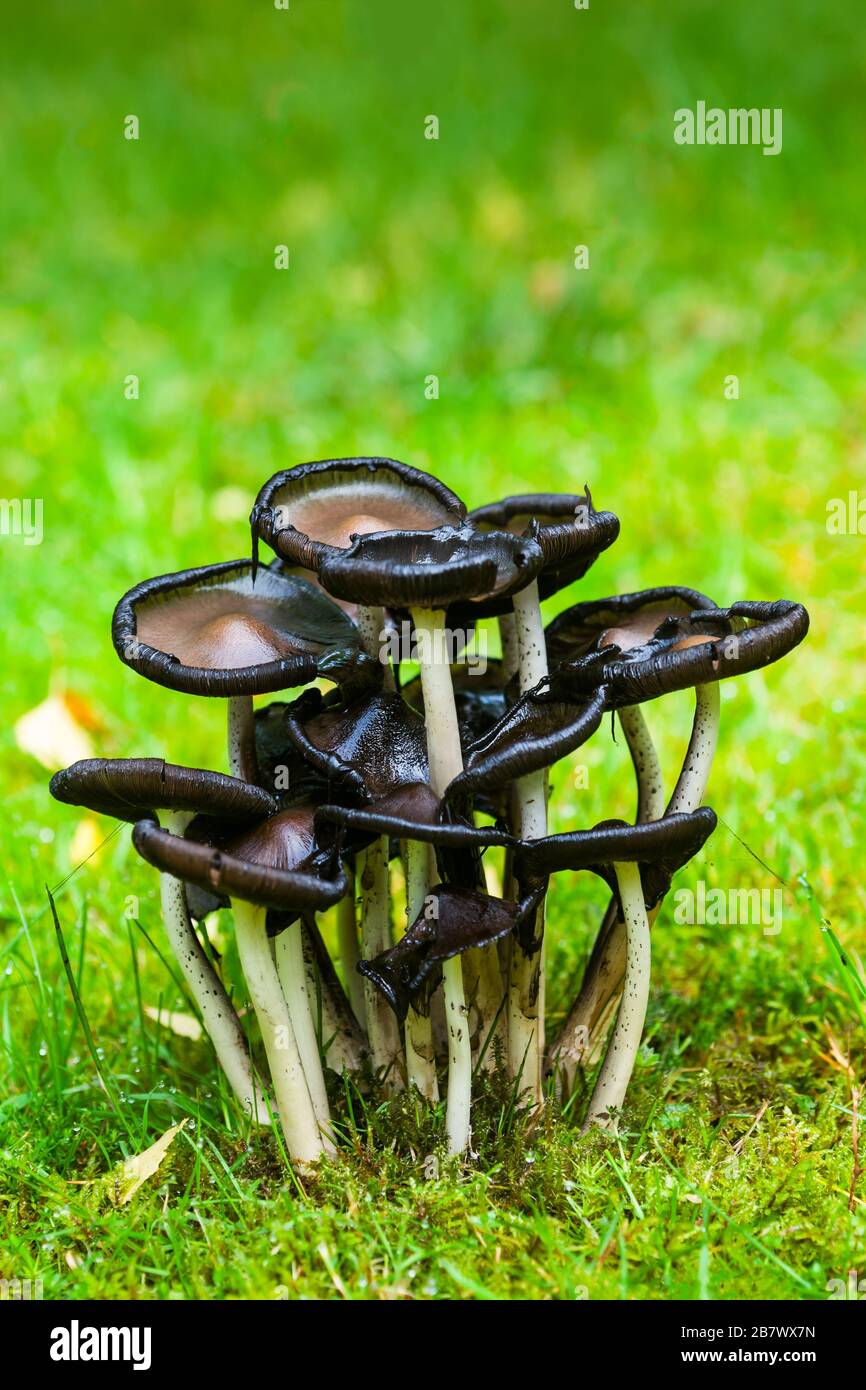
x=222 y=1024
x=582 y=1037
x=508 y=638
x=618 y=1065
x=692 y=782
x=347 y=945
x=341 y=1040
x=242 y=739
x=446 y=763
x=304 y=1139
x=418 y=1028
x=574 y=1042
x=373 y=632
x=526 y=968
x=382 y=1031
x=289 y=952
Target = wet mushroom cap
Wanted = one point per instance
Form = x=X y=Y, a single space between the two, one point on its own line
x=479 y=696
x=224 y=874
x=627 y=619
x=371 y=745
x=432 y=569
x=314 y=510
x=132 y=788
x=455 y=920
x=706 y=646
x=534 y=733
x=412 y=813
x=214 y=631
x=571 y=533
x=659 y=847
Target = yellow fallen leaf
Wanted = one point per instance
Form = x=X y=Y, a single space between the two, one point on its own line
x=88 y=836
x=136 y=1170
x=184 y=1025
x=53 y=732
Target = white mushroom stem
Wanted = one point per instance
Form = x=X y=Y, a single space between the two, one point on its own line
x=382 y=1031
x=222 y=1024
x=289 y=952
x=583 y=1035
x=618 y=1065
x=305 y=1142
x=418 y=1028
x=647 y=769
x=374 y=638
x=242 y=738
x=347 y=945
x=446 y=762
x=341 y=1040
x=508 y=638
x=692 y=782
x=526 y=970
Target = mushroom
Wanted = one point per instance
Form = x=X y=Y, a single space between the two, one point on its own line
x=638 y=862
x=314 y=511
x=220 y=631
x=426 y=573
x=697 y=649
x=269 y=864
x=132 y=788
x=570 y=534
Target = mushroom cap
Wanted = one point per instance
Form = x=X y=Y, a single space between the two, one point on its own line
x=659 y=847
x=260 y=866
x=538 y=730
x=412 y=812
x=453 y=921
x=314 y=510
x=571 y=533
x=634 y=617
x=215 y=630
x=367 y=746
x=706 y=646
x=433 y=569
x=132 y=788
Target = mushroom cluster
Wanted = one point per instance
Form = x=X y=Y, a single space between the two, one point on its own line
x=374 y=794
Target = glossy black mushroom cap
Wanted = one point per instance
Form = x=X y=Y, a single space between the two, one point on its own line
x=571 y=533
x=131 y=788
x=213 y=631
x=411 y=812
x=367 y=746
x=432 y=569
x=659 y=847
x=454 y=920
x=252 y=867
x=538 y=730
x=709 y=645
x=627 y=619
x=313 y=511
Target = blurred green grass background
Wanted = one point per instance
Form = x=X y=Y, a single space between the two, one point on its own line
x=453 y=257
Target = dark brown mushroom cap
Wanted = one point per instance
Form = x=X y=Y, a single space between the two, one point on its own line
x=454 y=920
x=571 y=533
x=534 y=733
x=411 y=813
x=367 y=746
x=659 y=847
x=214 y=631
x=313 y=511
x=131 y=788
x=432 y=569
x=635 y=617
x=708 y=645
x=227 y=874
